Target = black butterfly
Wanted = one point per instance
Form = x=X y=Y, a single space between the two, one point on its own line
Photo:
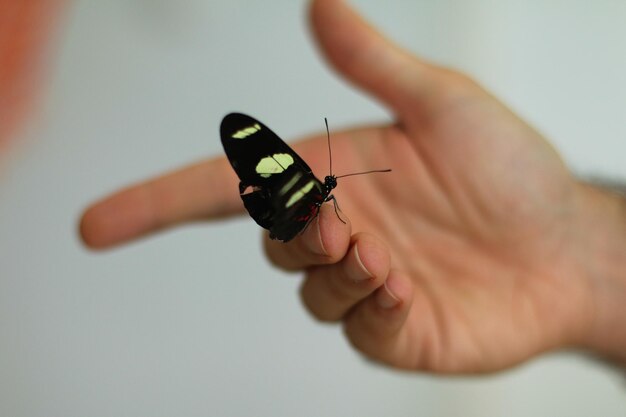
x=277 y=187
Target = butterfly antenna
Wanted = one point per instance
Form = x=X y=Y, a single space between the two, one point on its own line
x=330 y=154
x=365 y=172
x=330 y=157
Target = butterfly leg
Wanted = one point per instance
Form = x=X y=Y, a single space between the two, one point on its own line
x=336 y=204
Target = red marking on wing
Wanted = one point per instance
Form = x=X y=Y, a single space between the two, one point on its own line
x=313 y=210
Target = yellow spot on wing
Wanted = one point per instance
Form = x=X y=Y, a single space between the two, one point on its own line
x=247 y=131
x=290 y=184
x=274 y=164
x=295 y=197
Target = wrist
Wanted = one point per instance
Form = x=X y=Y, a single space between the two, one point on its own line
x=603 y=227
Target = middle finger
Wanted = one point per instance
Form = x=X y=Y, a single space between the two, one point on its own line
x=330 y=291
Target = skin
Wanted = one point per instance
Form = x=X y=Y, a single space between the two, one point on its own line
x=479 y=251
x=27 y=29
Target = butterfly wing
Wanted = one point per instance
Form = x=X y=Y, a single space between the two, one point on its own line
x=277 y=187
x=255 y=152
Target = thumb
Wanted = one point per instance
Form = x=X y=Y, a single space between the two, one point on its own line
x=370 y=61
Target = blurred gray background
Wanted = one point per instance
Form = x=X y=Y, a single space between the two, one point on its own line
x=194 y=322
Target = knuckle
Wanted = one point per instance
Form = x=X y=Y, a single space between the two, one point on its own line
x=364 y=324
x=359 y=339
x=316 y=309
x=347 y=290
x=281 y=256
x=271 y=251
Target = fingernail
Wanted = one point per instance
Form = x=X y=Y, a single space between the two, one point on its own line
x=385 y=298
x=362 y=274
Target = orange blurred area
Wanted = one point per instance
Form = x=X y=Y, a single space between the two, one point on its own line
x=27 y=29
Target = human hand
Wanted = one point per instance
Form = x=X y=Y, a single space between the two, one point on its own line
x=466 y=258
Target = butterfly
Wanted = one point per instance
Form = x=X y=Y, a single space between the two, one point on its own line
x=277 y=187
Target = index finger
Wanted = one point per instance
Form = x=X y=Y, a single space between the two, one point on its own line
x=206 y=190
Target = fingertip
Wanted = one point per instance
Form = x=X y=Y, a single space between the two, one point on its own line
x=365 y=57
x=396 y=293
x=374 y=324
x=330 y=235
x=371 y=254
x=84 y=230
x=331 y=291
x=92 y=228
x=116 y=219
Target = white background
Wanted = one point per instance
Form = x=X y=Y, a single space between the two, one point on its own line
x=194 y=322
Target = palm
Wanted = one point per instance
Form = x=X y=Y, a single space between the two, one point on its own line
x=467 y=210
